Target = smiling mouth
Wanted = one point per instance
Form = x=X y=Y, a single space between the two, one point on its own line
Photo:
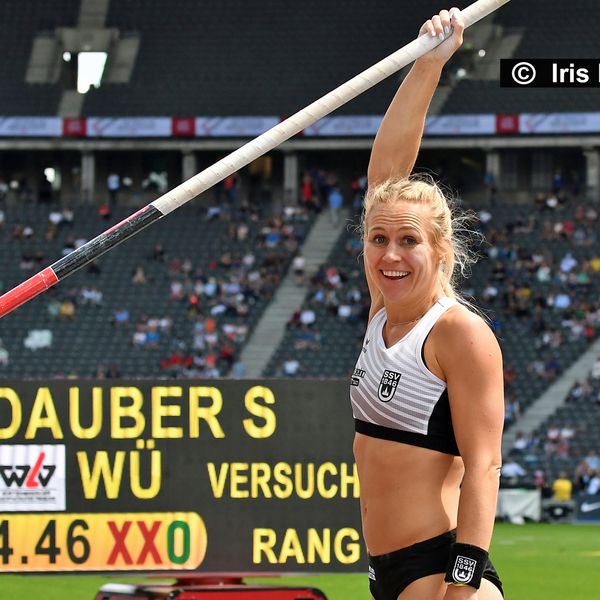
x=395 y=274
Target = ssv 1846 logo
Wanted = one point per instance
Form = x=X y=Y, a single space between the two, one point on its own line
x=388 y=385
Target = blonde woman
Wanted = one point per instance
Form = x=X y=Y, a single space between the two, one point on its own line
x=427 y=392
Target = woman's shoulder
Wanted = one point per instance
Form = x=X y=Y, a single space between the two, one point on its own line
x=458 y=323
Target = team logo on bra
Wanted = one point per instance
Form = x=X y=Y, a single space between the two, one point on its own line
x=464 y=569
x=388 y=385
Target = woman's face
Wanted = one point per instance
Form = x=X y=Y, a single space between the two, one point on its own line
x=399 y=253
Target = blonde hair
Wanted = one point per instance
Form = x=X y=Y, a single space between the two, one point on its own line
x=448 y=231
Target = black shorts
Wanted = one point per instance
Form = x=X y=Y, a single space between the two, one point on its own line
x=390 y=573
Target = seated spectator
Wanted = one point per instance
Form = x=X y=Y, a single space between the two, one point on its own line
x=120 y=317
x=579 y=391
x=308 y=339
x=592 y=485
x=113 y=372
x=152 y=336
x=291 y=367
x=298 y=265
x=3 y=355
x=595 y=373
x=344 y=312
x=512 y=410
x=91 y=295
x=139 y=276
x=521 y=443
x=67 y=310
x=562 y=488
x=158 y=253
x=99 y=372
x=68 y=247
x=511 y=472
x=567 y=431
x=592 y=460
x=38 y=338
x=307 y=317
x=104 y=211
x=53 y=308
x=177 y=291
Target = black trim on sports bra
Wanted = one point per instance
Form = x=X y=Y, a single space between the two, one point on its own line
x=445 y=444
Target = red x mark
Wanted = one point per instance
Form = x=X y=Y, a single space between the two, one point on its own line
x=149 y=545
x=120 y=547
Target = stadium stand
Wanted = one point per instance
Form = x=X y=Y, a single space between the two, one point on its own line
x=565 y=439
x=184 y=71
x=218 y=268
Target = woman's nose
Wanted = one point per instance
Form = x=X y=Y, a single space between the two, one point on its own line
x=393 y=252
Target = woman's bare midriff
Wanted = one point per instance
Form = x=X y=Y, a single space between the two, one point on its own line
x=408 y=494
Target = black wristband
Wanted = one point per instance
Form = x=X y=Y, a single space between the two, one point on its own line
x=466 y=565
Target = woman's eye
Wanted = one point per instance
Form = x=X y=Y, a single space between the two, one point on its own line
x=410 y=241
x=379 y=239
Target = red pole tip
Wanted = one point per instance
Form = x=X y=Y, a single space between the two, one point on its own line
x=27 y=290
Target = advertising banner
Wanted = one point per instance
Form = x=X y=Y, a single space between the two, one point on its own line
x=129 y=127
x=588 y=508
x=31 y=127
x=233 y=126
x=215 y=476
x=557 y=123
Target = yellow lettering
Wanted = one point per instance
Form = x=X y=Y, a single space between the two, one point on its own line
x=260 y=474
x=262 y=412
x=85 y=433
x=351 y=553
x=160 y=410
x=217 y=483
x=111 y=474
x=16 y=413
x=318 y=545
x=208 y=413
x=309 y=490
x=282 y=474
x=263 y=541
x=347 y=480
x=43 y=404
x=155 y=475
x=120 y=412
x=321 y=486
x=237 y=479
x=291 y=548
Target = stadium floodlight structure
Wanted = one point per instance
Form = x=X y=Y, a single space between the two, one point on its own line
x=241 y=157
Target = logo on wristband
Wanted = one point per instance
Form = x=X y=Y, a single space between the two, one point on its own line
x=464 y=569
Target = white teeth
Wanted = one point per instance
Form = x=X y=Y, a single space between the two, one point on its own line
x=395 y=273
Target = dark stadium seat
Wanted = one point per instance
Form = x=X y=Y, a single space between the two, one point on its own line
x=21 y=22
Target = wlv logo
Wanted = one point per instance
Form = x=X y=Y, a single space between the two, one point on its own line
x=28 y=476
x=387 y=385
